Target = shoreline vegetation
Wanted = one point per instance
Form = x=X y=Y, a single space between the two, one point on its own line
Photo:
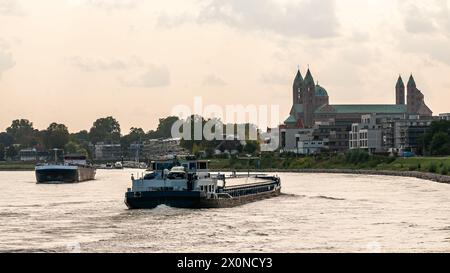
x=429 y=168
x=247 y=156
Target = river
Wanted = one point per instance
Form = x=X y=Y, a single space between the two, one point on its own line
x=317 y=213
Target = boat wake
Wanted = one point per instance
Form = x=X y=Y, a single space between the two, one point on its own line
x=292 y=195
x=328 y=198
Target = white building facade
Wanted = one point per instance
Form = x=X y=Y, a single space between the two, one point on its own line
x=366 y=135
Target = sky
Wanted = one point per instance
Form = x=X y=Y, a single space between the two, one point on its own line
x=73 y=61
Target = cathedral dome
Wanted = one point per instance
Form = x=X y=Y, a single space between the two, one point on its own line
x=321 y=92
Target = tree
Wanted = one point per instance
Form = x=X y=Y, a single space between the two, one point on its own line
x=164 y=129
x=11 y=152
x=440 y=144
x=251 y=147
x=436 y=141
x=56 y=136
x=80 y=137
x=105 y=130
x=75 y=148
x=2 y=151
x=6 y=139
x=23 y=132
x=136 y=135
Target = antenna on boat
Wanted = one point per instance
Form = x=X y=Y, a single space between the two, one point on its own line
x=56 y=155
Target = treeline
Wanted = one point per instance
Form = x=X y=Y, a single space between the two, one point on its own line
x=21 y=134
x=437 y=139
x=240 y=144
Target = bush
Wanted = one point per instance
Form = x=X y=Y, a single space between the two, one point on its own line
x=412 y=168
x=357 y=156
x=391 y=159
x=432 y=168
x=444 y=170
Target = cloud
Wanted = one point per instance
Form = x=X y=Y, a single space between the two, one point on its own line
x=419 y=23
x=432 y=19
x=213 y=80
x=107 y=4
x=276 y=79
x=6 y=58
x=308 y=18
x=6 y=62
x=360 y=37
x=425 y=17
x=11 y=8
x=149 y=75
x=89 y=64
x=167 y=21
x=154 y=76
x=357 y=55
x=437 y=48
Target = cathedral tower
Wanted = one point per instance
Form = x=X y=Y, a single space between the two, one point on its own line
x=298 y=81
x=400 y=92
x=415 y=100
x=308 y=96
x=412 y=99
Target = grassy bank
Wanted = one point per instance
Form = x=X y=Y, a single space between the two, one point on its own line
x=437 y=165
x=16 y=166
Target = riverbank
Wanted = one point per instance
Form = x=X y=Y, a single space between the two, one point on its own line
x=428 y=168
x=414 y=174
x=16 y=166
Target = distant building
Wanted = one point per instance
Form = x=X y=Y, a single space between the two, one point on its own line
x=332 y=137
x=105 y=152
x=335 y=135
x=395 y=134
x=154 y=148
x=28 y=155
x=366 y=135
x=230 y=145
x=311 y=105
x=445 y=116
x=136 y=152
x=311 y=147
x=406 y=132
x=290 y=137
x=33 y=154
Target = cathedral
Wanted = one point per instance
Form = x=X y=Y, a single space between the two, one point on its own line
x=311 y=104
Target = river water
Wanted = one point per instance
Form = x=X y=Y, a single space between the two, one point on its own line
x=317 y=213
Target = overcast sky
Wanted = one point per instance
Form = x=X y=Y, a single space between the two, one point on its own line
x=72 y=61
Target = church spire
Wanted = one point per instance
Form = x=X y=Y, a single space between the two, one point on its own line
x=309 y=77
x=298 y=78
x=400 y=91
x=411 y=81
x=400 y=83
x=296 y=92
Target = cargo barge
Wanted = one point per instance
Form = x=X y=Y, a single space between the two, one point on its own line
x=188 y=184
x=73 y=169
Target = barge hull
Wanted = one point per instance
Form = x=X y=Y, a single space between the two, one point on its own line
x=64 y=175
x=56 y=175
x=191 y=200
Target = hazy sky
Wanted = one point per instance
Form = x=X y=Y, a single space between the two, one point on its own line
x=72 y=61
